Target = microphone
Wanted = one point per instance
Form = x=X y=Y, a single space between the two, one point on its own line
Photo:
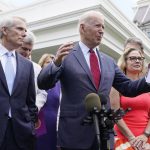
x=93 y=106
x=92 y=101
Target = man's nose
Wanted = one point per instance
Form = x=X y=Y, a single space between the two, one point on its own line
x=24 y=34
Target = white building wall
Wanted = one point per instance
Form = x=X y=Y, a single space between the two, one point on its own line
x=55 y=22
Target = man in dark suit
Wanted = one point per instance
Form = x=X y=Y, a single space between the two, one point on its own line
x=83 y=70
x=17 y=89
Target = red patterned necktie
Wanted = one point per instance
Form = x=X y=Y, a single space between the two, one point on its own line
x=94 y=68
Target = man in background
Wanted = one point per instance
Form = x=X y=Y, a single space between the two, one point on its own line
x=134 y=42
x=18 y=112
x=25 y=50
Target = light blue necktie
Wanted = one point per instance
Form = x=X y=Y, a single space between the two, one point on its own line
x=9 y=71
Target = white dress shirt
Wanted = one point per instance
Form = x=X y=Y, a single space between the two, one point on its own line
x=86 y=53
x=41 y=95
x=3 y=58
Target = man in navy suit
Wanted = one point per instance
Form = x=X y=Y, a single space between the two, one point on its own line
x=73 y=66
x=17 y=89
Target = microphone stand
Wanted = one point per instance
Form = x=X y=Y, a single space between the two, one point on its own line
x=107 y=120
x=104 y=130
x=96 y=123
x=93 y=117
x=104 y=122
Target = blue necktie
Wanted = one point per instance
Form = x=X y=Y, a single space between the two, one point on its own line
x=9 y=71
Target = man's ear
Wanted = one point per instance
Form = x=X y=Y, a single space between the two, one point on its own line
x=4 y=30
x=82 y=28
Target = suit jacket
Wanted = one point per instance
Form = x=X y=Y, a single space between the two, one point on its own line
x=22 y=103
x=76 y=82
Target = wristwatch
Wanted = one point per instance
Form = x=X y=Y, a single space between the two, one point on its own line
x=147 y=133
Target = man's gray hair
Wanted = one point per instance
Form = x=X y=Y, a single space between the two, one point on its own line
x=29 y=38
x=134 y=40
x=87 y=17
x=9 y=22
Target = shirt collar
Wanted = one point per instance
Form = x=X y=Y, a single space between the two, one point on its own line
x=85 y=49
x=4 y=50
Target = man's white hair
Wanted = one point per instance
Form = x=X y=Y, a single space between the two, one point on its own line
x=30 y=37
x=88 y=16
x=9 y=22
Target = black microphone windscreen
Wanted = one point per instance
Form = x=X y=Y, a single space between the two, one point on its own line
x=92 y=101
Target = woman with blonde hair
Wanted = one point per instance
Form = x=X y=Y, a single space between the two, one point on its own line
x=133 y=130
x=48 y=114
x=46 y=59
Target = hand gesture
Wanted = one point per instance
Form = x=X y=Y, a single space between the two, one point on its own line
x=63 y=51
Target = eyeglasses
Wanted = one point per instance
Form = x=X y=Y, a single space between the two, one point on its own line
x=134 y=58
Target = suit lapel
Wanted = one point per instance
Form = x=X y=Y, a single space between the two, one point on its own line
x=80 y=57
x=3 y=78
x=18 y=72
x=102 y=62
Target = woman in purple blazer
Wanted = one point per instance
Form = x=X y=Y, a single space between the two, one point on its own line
x=46 y=132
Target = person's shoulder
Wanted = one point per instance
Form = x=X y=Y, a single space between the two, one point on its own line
x=76 y=47
x=106 y=56
x=25 y=60
x=37 y=67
